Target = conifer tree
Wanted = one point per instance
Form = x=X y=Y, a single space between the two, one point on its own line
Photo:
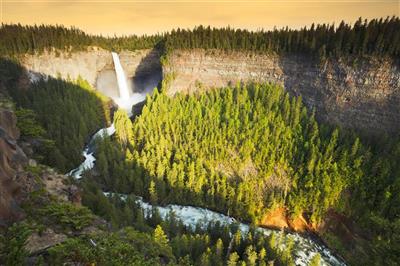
x=160 y=237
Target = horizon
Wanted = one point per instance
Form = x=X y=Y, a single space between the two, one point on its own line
x=307 y=27
x=148 y=17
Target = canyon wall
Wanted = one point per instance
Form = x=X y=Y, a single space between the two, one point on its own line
x=19 y=173
x=356 y=93
x=95 y=65
x=12 y=162
x=351 y=92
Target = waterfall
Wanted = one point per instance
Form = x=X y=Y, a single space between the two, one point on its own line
x=125 y=100
x=121 y=78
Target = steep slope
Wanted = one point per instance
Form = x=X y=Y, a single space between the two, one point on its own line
x=18 y=173
x=12 y=161
x=95 y=65
x=360 y=93
x=42 y=219
x=357 y=92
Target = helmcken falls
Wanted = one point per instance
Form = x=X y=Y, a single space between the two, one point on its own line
x=126 y=100
x=121 y=78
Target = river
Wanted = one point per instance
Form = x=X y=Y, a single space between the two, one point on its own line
x=306 y=247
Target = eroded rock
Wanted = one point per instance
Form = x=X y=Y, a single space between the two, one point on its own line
x=39 y=242
x=362 y=94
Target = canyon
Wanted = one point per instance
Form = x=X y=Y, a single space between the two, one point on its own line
x=361 y=93
x=358 y=93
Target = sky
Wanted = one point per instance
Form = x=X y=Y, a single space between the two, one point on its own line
x=124 y=17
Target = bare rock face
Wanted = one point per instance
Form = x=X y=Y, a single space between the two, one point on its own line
x=12 y=161
x=68 y=64
x=15 y=182
x=360 y=93
x=142 y=68
x=37 y=243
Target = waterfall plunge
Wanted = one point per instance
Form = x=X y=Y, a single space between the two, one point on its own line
x=121 y=78
x=125 y=100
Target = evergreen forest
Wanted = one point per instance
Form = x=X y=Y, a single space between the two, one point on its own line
x=248 y=149
x=60 y=115
x=377 y=36
x=243 y=150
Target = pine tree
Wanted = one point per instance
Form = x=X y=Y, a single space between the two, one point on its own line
x=316 y=260
x=233 y=259
x=160 y=237
x=123 y=126
x=12 y=245
x=153 y=193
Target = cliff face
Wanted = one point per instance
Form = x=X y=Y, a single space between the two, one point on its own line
x=95 y=65
x=12 y=161
x=362 y=94
x=16 y=181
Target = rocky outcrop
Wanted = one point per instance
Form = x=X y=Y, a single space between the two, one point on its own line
x=12 y=161
x=16 y=181
x=58 y=186
x=39 y=242
x=360 y=93
x=279 y=218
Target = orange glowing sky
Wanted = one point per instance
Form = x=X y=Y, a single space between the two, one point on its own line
x=109 y=17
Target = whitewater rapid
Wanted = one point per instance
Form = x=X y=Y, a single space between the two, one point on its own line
x=88 y=152
x=305 y=247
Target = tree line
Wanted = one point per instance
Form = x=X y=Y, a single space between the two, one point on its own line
x=18 y=39
x=376 y=36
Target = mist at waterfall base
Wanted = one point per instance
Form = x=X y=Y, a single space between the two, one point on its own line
x=126 y=100
x=306 y=249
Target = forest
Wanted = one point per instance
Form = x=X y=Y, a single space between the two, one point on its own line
x=241 y=150
x=136 y=239
x=237 y=150
x=17 y=39
x=248 y=149
x=374 y=37
x=55 y=115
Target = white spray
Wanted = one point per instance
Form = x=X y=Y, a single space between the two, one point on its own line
x=126 y=100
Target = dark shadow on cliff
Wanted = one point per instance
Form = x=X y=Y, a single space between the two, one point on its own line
x=148 y=74
x=300 y=77
x=332 y=88
x=58 y=115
